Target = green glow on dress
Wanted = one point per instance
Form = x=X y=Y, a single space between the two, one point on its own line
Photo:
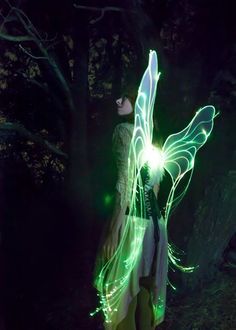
x=176 y=158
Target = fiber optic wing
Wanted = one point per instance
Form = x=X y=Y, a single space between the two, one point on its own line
x=143 y=125
x=179 y=150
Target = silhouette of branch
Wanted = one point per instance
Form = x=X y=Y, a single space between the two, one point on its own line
x=102 y=10
x=25 y=133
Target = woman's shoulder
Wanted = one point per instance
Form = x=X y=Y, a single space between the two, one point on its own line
x=123 y=128
x=122 y=134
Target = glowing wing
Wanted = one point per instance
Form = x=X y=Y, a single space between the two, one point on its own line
x=113 y=280
x=179 y=153
x=179 y=149
x=143 y=124
x=177 y=158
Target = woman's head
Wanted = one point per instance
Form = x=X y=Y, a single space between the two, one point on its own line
x=124 y=106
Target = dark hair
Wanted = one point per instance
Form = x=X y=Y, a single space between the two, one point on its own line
x=131 y=95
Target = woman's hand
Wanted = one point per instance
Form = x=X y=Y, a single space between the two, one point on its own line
x=156 y=189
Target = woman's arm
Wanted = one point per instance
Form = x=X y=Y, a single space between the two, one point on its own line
x=121 y=143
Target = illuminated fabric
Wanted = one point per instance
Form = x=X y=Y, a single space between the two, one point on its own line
x=176 y=157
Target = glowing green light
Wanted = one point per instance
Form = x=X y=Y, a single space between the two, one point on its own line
x=107 y=199
x=154 y=157
x=176 y=158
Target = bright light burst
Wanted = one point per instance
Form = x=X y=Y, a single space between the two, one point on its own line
x=154 y=157
x=176 y=158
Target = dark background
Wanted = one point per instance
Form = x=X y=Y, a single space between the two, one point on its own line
x=57 y=174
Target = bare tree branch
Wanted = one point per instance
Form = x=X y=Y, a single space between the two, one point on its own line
x=102 y=10
x=30 y=55
x=93 y=21
x=108 y=8
x=51 y=39
x=33 y=35
x=33 y=81
x=6 y=18
x=32 y=137
x=26 y=22
x=15 y=38
x=52 y=62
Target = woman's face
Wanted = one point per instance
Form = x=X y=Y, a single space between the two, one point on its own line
x=124 y=106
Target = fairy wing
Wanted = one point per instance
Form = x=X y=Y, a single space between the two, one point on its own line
x=113 y=279
x=179 y=151
x=176 y=157
x=143 y=124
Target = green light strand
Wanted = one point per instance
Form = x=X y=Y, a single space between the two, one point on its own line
x=176 y=158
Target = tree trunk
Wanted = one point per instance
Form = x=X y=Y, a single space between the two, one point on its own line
x=214 y=227
x=78 y=170
x=143 y=31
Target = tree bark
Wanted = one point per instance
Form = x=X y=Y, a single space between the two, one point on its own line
x=78 y=171
x=143 y=31
x=214 y=226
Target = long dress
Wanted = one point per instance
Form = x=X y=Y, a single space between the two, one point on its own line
x=152 y=263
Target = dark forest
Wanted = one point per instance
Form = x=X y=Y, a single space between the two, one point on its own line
x=62 y=66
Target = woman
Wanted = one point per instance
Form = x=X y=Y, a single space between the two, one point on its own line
x=133 y=273
x=135 y=308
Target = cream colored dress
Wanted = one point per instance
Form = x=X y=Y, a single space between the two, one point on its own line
x=121 y=142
